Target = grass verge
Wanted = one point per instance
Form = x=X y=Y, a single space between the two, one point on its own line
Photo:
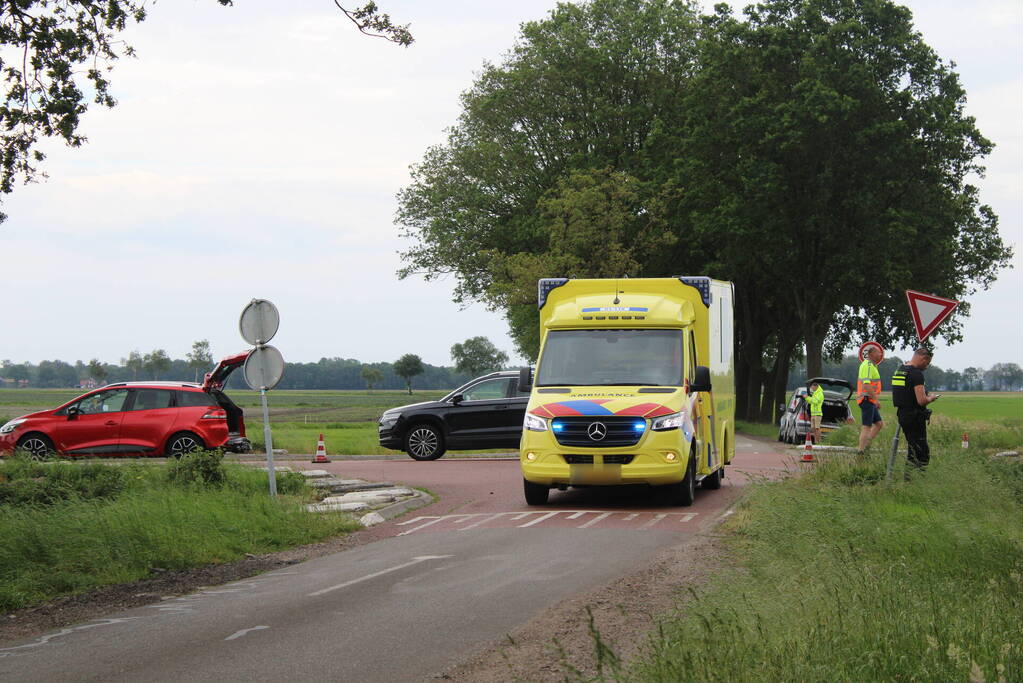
x=843 y=577
x=65 y=534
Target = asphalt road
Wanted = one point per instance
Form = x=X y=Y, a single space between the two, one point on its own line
x=422 y=593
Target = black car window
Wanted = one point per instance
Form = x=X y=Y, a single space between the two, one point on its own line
x=192 y=399
x=490 y=389
x=111 y=401
x=151 y=399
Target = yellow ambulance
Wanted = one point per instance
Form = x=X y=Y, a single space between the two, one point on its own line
x=635 y=384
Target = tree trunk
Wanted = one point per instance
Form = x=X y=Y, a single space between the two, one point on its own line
x=749 y=352
x=814 y=351
x=741 y=384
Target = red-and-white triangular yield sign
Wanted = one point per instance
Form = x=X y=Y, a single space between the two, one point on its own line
x=928 y=311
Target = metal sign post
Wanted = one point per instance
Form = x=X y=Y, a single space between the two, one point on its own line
x=268 y=440
x=264 y=366
x=891 y=458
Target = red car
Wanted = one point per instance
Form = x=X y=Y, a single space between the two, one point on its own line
x=137 y=418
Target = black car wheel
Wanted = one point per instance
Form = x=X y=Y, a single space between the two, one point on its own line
x=712 y=482
x=181 y=443
x=536 y=494
x=684 y=492
x=424 y=442
x=38 y=446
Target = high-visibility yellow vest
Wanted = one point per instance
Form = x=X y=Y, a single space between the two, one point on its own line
x=816 y=401
x=868 y=377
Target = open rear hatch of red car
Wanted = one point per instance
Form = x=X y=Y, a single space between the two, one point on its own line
x=213 y=384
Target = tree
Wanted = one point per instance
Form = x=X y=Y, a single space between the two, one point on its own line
x=371 y=22
x=407 y=367
x=561 y=127
x=371 y=376
x=55 y=53
x=476 y=356
x=821 y=119
x=200 y=357
x=97 y=371
x=1003 y=377
x=796 y=129
x=156 y=361
x=134 y=362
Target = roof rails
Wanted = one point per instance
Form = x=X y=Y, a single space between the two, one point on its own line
x=191 y=385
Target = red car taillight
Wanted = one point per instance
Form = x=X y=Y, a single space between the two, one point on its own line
x=215 y=415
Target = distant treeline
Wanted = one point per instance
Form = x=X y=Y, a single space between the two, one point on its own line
x=346 y=373
x=327 y=373
x=999 y=377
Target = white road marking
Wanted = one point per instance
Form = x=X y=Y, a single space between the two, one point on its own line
x=655 y=520
x=244 y=631
x=415 y=560
x=595 y=520
x=421 y=526
x=44 y=640
x=483 y=520
x=465 y=521
x=538 y=519
x=413 y=520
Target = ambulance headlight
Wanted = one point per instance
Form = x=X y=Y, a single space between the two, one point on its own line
x=534 y=423
x=667 y=422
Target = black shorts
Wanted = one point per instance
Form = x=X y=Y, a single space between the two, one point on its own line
x=870 y=414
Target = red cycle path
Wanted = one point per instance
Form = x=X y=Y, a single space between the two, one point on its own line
x=486 y=492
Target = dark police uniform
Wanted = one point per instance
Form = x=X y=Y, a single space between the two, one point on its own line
x=912 y=416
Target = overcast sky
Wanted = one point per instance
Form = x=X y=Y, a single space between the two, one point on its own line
x=256 y=152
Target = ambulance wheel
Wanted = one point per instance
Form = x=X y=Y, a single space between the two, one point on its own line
x=424 y=442
x=684 y=492
x=536 y=494
x=713 y=481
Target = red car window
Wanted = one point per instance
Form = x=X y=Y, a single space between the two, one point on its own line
x=103 y=402
x=151 y=399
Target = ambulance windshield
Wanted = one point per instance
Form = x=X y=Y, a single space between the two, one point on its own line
x=611 y=358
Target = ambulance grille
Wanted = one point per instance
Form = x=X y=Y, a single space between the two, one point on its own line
x=619 y=431
x=579 y=459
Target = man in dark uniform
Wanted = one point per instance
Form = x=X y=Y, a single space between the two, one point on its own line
x=911 y=400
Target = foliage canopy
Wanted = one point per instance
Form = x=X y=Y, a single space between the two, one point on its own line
x=818 y=139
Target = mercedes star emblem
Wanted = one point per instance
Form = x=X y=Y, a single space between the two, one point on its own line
x=597 y=431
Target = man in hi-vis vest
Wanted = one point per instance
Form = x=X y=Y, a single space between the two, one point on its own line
x=868 y=392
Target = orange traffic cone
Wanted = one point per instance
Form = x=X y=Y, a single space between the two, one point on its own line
x=807 y=450
x=966 y=440
x=321 y=451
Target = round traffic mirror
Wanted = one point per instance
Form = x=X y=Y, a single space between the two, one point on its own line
x=259 y=322
x=264 y=368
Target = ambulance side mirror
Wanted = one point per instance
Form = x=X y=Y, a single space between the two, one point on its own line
x=525 y=380
x=701 y=380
